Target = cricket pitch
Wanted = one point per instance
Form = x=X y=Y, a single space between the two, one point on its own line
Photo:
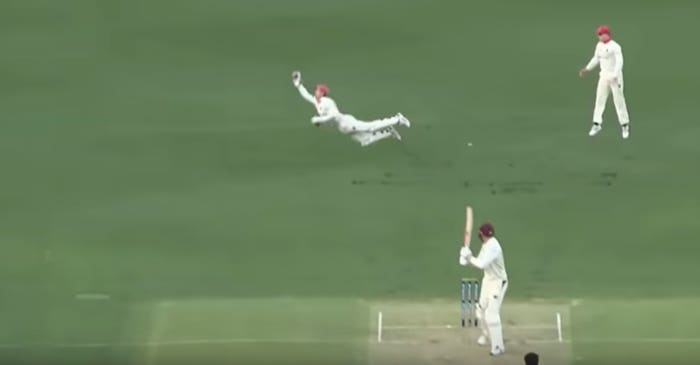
x=430 y=333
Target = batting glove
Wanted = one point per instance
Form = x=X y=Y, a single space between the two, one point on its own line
x=463 y=261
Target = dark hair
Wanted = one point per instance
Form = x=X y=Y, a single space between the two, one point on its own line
x=532 y=358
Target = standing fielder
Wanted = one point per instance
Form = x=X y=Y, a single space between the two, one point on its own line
x=608 y=54
x=493 y=287
x=365 y=133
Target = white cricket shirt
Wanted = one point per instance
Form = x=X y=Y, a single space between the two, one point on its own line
x=491 y=260
x=325 y=107
x=609 y=56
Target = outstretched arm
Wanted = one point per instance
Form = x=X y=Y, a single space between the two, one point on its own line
x=305 y=94
x=296 y=80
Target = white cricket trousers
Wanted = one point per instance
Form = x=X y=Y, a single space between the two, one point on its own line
x=605 y=86
x=489 y=312
x=367 y=133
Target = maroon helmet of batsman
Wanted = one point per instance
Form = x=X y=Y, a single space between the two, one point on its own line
x=487 y=230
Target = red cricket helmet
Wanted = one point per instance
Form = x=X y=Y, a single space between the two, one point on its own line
x=323 y=89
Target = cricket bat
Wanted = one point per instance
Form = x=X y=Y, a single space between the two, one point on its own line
x=468 y=224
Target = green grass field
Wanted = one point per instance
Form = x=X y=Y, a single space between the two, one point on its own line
x=165 y=198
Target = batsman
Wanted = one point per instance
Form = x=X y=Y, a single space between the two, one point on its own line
x=494 y=283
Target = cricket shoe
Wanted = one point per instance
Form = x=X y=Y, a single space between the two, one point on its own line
x=403 y=121
x=482 y=341
x=394 y=133
x=595 y=129
x=625 y=131
x=499 y=351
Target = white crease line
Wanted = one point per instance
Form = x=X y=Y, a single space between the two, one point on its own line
x=449 y=326
x=416 y=343
x=565 y=341
x=545 y=342
x=560 y=335
x=410 y=327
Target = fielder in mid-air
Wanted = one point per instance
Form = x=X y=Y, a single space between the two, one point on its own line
x=365 y=133
x=493 y=285
x=608 y=54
